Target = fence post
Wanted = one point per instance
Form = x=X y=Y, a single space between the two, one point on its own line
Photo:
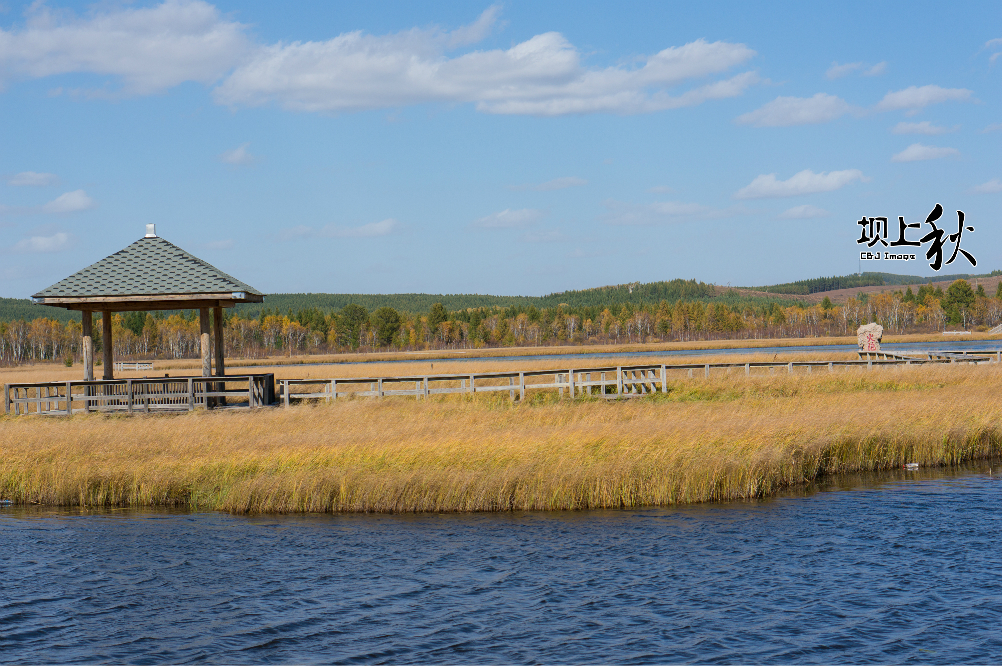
x=522 y=386
x=790 y=368
x=830 y=366
x=746 y=369
x=69 y=398
x=6 y=398
x=869 y=366
x=128 y=394
x=619 y=381
x=471 y=383
x=665 y=387
x=191 y=395
x=511 y=391
x=425 y=389
x=285 y=393
x=706 y=370
x=379 y=387
x=571 y=383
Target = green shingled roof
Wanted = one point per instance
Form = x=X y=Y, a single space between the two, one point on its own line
x=149 y=266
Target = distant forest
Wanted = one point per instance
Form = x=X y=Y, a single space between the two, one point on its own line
x=586 y=301
x=817 y=285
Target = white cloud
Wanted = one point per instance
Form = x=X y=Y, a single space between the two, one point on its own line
x=149 y=49
x=876 y=70
x=787 y=111
x=989 y=129
x=370 y=230
x=509 y=219
x=54 y=243
x=838 y=71
x=71 y=202
x=991 y=187
x=803 y=182
x=662 y=212
x=560 y=184
x=238 y=155
x=924 y=127
x=32 y=179
x=805 y=212
x=918 y=151
x=915 y=97
x=541 y=76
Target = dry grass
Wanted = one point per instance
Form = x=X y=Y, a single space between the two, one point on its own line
x=722 y=438
x=284 y=366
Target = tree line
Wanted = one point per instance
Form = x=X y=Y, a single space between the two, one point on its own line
x=139 y=335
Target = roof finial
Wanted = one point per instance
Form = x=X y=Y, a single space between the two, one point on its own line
x=151 y=231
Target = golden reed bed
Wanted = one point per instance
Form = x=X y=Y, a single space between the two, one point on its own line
x=722 y=438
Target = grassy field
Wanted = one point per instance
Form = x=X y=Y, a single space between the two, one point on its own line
x=725 y=437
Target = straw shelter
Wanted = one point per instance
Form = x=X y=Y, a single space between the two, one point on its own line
x=151 y=274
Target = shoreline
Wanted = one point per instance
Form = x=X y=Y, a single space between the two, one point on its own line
x=707 y=439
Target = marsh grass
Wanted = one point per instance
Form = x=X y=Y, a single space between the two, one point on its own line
x=726 y=437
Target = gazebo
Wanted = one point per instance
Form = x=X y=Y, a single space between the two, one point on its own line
x=150 y=274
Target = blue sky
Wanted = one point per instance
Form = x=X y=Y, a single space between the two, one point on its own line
x=517 y=148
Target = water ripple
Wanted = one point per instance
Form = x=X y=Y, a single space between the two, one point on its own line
x=902 y=567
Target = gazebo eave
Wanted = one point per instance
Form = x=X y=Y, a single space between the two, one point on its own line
x=144 y=302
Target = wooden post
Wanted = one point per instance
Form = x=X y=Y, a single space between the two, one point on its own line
x=511 y=392
x=218 y=349
x=471 y=383
x=285 y=393
x=571 y=384
x=830 y=366
x=107 y=345
x=425 y=388
x=6 y=399
x=204 y=342
x=217 y=325
x=619 y=381
x=665 y=388
x=746 y=369
x=128 y=394
x=379 y=385
x=522 y=387
x=87 y=346
x=790 y=368
x=191 y=394
x=69 y=399
x=706 y=370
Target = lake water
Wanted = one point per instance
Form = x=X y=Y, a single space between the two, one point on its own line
x=902 y=567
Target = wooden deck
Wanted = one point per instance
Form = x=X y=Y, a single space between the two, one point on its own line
x=173 y=394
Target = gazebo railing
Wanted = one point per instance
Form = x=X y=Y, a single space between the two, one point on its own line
x=161 y=394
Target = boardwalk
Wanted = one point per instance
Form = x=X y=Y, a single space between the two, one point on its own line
x=181 y=394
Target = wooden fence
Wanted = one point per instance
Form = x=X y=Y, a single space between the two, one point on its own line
x=252 y=391
x=139 y=395
x=609 y=382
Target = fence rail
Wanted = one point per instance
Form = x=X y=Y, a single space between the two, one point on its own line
x=610 y=382
x=138 y=395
